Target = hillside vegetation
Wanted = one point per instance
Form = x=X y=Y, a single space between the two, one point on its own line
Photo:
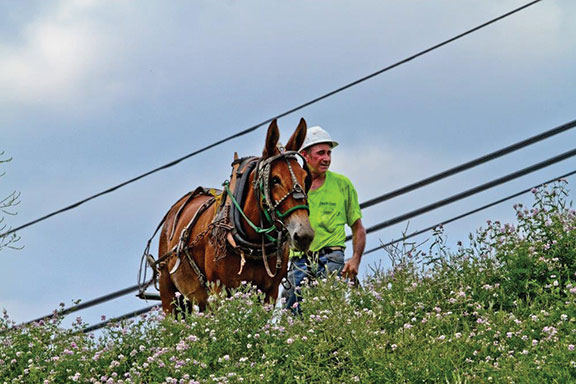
x=501 y=309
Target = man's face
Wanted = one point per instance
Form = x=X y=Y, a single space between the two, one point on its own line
x=318 y=158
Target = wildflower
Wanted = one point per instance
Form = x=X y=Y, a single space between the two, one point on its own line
x=290 y=341
x=571 y=347
x=224 y=358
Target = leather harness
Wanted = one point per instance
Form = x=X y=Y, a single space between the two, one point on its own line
x=227 y=228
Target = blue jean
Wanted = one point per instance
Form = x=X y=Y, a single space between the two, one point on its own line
x=302 y=268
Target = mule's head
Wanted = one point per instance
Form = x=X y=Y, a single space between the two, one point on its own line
x=287 y=185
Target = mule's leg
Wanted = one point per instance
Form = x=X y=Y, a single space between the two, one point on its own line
x=271 y=295
x=198 y=297
x=167 y=291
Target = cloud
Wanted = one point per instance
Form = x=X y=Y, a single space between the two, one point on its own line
x=376 y=169
x=58 y=57
x=514 y=39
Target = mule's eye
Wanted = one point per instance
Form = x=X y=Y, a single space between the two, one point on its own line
x=276 y=180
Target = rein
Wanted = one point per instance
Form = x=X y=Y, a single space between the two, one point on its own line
x=262 y=184
x=262 y=189
x=269 y=210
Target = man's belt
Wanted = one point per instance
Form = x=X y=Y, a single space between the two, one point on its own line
x=321 y=252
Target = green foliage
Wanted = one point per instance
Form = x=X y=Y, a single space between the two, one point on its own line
x=502 y=309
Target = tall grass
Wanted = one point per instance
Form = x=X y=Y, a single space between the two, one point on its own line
x=500 y=309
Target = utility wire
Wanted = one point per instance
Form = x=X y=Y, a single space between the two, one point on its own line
x=87 y=304
x=125 y=291
x=469 y=213
x=470 y=164
x=118 y=319
x=404 y=238
x=254 y=127
x=470 y=192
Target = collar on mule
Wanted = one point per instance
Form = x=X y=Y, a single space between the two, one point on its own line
x=262 y=188
x=271 y=227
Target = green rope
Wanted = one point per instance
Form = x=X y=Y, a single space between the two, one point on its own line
x=280 y=214
x=289 y=211
x=263 y=231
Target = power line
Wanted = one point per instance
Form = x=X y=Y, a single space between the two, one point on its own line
x=404 y=238
x=376 y=227
x=470 y=192
x=254 y=127
x=87 y=304
x=118 y=319
x=469 y=213
x=470 y=164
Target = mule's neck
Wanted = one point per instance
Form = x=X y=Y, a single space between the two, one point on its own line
x=251 y=208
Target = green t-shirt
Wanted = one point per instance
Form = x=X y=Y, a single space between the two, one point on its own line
x=332 y=206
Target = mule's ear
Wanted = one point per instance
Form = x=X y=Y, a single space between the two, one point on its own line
x=272 y=138
x=297 y=138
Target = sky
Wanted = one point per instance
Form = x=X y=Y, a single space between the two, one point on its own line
x=93 y=93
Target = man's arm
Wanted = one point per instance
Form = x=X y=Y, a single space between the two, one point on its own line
x=351 y=267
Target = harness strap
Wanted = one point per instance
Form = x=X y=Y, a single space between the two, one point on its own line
x=185 y=246
x=257 y=229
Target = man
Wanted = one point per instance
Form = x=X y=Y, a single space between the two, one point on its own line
x=333 y=204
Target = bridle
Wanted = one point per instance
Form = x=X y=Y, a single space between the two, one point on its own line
x=269 y=206
x=271 y=227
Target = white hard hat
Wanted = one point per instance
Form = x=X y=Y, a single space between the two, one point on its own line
x=317 y=135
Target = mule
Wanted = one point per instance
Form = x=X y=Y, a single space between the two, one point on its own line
x=242 y=234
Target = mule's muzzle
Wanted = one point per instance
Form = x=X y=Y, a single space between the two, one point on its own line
x=301 y=235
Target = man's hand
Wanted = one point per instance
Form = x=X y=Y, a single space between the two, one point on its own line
x=352 y=265
x=350 y=269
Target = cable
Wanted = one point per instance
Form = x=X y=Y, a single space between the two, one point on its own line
x=468 y=213
x=134 y=288
x=118 y=319
x=88 y=304
x=254 y=127
x=470 y=192
x=445 y=222
x=470 y=164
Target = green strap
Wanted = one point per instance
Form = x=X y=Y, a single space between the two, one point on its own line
x=280 y=214
x=263 y=231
